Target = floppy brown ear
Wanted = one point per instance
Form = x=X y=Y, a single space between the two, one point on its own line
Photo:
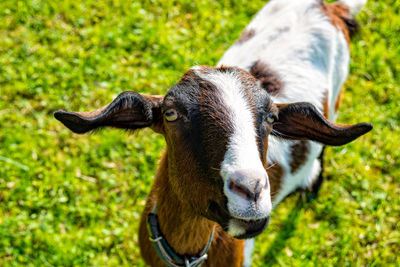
x=129 y=110
x=302 y=121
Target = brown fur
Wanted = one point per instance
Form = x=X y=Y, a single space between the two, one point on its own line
x=249 y=83
x=325 y=104
x=246 y=35
x=338 y=101
x=339 y=15
x=275 y=174
x=269 y=79
x=299 y=151
x=177 y=218
x=264 y=144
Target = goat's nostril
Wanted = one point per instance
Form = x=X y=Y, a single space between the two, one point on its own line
x=248 y=183
x=241 y=190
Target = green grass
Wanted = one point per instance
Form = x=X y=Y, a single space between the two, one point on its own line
x=75 y=200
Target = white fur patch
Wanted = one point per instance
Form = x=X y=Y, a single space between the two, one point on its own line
x=248 y=251
x=235 y=229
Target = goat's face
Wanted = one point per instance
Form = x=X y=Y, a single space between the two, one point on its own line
x=216 y=123
x=216 y=131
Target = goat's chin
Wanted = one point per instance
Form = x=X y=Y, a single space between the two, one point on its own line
x=235 y=227
x=244 y=229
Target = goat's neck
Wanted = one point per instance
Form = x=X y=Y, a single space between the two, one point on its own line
x=185 y=231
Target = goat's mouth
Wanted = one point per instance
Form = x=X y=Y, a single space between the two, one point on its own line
x=236 y=227
x=244 y=229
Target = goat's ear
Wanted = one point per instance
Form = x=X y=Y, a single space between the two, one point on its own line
x=302 y=121
x=129 y=110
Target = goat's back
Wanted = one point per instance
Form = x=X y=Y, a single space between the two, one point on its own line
x=299 y=54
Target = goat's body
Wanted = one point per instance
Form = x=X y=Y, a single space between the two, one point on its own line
x=311 y=57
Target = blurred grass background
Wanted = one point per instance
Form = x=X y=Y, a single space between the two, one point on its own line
x=75 y=200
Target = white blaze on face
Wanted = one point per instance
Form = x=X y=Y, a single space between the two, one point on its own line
x=242 y=153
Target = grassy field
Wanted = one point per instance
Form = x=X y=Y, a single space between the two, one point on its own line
x=75 y=200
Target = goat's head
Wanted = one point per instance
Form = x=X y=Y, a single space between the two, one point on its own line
x=216 y=122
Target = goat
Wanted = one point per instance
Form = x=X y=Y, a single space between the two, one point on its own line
x=238 y=139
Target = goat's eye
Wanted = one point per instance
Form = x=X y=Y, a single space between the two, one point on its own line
x=271 y=118
x=171 y=114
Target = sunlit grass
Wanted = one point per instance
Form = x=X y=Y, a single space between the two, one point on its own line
x=69 y=199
